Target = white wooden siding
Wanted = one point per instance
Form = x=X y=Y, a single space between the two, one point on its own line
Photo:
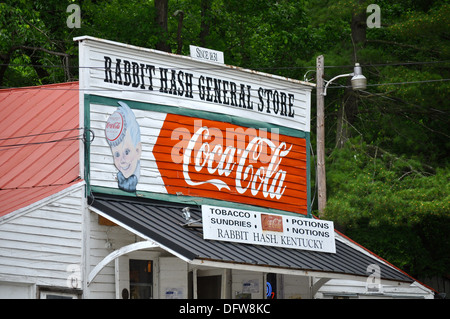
x=248 y=282
x=39 y=245
x=294 y=287
x=102 y=241
x=173 y=278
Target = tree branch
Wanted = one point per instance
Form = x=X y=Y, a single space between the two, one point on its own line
x=31 y=48
x=26 y=47
x=403 y=45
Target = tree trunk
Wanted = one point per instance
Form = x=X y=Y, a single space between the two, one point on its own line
x=4 y=65
x=349 y=110
x=206 y=22
x=358 y=27
x=346 y=116
x=162 y=7
x=180 y=15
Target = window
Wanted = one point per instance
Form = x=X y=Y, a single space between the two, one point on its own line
x=141 y=279
x=58 y=293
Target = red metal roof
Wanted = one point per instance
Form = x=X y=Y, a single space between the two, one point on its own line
x=39 y=143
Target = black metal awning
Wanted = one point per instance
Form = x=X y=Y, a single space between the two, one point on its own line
x=162 y=222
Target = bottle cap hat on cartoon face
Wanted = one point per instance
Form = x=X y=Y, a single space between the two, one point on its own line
x=116 y=128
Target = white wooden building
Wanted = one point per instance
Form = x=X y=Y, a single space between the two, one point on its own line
x=68 y=231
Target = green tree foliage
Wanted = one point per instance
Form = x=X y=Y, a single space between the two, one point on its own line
x=387 y=147
x=388 y=186
x=392 y=204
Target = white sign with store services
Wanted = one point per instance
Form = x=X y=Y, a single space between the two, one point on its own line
x=251 y=227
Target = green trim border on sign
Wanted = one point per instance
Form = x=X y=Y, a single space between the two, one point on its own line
x=103 y=100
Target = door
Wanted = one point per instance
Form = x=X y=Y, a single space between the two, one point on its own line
x=211 y=284
x=141 y=279
x=209 y=287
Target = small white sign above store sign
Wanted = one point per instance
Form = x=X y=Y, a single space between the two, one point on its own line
x=206 y=55
x=251 y=227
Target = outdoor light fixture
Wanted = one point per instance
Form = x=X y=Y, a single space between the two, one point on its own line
x=359 y=81
x=190 y=223
x=186 y=213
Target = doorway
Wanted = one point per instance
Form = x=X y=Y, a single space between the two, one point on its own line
x=141 y=279
x=209 y=287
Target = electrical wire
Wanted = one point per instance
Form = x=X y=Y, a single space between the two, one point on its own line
x=198 y=91
x=212 y=66
x=65 y=139
x=13 y=146
x=392 y=83
x=39 y=134
x=389 y=64
x=39 y=186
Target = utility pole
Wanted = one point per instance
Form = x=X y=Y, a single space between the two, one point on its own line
x=359 y=82
x=320 y=171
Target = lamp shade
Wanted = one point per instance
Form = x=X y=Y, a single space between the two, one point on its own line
x=359 y=81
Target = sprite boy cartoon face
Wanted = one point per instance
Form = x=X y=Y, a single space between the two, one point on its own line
x=123 y=136
x=126 y=155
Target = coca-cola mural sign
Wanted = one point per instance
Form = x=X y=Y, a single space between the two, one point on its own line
x=160 y=124
x=142 y=151
x=206 y=158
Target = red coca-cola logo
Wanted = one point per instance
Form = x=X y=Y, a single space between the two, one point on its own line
x=114 y=126
x=272 y=222
x=220 y=160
